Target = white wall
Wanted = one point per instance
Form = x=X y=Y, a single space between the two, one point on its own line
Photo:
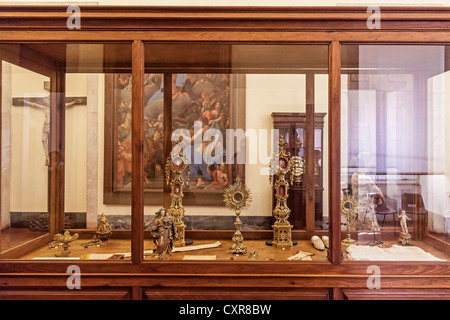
x=76 y=146
x=436 y=188
x=6 y=144
x=28 y=184
x=447 y=152
x=28 y=173
x=266 y=94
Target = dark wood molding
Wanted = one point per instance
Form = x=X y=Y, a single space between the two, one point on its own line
x=334 y=150
x=310 y=183
x=340 y=18
x=408 y=272
x=137 y=182
x=226 y=24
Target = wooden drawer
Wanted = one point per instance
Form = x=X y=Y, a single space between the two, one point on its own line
x=396 y=294
x=158 y=293
x=64 y=294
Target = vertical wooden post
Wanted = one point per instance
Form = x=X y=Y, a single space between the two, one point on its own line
x=310 y=185
x=167 y=132
x=334 y=146
x=137 y=134
x=337 y=294
x=136 y=293
x=1 y=149
x=57 y=150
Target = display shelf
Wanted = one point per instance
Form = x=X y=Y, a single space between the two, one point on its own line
x=120 y=246
x=264 y=252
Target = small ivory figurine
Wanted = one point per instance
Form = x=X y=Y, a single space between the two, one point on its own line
x=403 y=218
x=405 y=237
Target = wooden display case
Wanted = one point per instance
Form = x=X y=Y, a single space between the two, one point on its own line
x=138 y=278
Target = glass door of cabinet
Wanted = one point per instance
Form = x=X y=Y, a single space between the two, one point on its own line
x=27 y=214
x=395 y=150
x=219 y=100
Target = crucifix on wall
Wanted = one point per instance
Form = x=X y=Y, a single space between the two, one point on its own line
x=43 y=104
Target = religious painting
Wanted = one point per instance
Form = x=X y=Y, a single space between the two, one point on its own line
x=205 y=107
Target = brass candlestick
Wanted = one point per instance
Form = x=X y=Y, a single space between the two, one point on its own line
x=237 y=197
x=284 y=164
x=349 y=208
x=176 y=165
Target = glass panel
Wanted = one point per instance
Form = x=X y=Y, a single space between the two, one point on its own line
x=154 y=132
x=98 y=148
x=229 y=106
x=394 y=150
x=155 y=159
x=95 y=155
x=25 y=156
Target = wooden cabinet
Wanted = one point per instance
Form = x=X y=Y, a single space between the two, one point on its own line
x=293 y=127
x=284 y=27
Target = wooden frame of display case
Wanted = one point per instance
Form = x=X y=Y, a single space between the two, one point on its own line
x=138 y=279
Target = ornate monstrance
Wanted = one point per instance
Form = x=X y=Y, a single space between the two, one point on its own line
x=177 y=165
x=281 y=228
x=349 y=208
x=237 y=197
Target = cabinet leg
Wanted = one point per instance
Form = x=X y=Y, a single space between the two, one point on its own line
x=336 y=294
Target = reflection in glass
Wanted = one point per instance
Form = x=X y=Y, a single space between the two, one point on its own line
x=394 y=146
x=57 y=150
x=98 y=149
x=25 y=155
x=223 y=98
